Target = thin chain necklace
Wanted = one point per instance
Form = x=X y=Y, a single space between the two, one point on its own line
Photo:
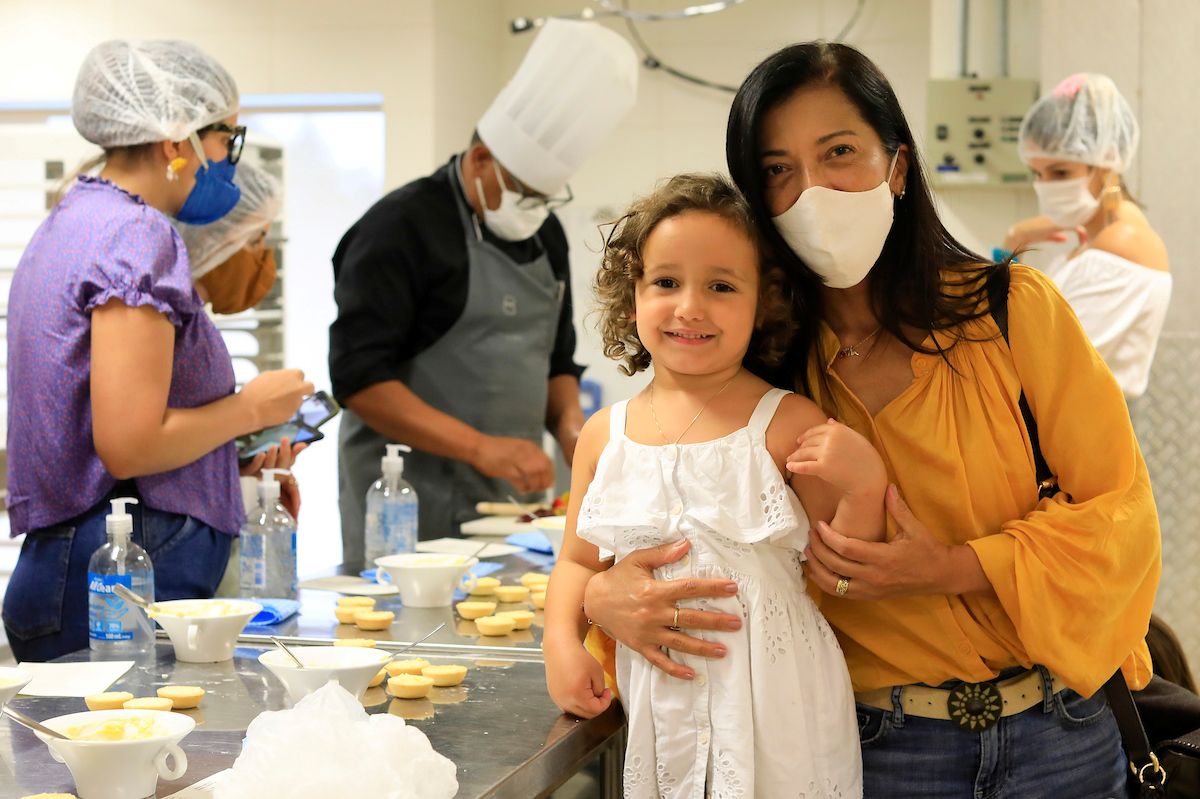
x=654 y=415
x=851 y=351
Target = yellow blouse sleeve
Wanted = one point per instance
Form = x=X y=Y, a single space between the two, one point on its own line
x=1077 y=577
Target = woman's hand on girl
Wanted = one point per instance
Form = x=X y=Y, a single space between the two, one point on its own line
x=912 y=563
x=840 y=456
x=576 y=681
x=636 y=609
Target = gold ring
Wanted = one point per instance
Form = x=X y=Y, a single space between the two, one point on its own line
x=675 y=620
x=843 y=585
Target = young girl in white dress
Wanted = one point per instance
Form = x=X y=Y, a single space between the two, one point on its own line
x=708 y=452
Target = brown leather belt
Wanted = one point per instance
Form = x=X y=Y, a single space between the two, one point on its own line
x=973 y=706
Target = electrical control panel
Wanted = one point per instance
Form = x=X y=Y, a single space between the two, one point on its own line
x=971 y=138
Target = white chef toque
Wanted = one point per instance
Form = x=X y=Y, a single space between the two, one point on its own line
x=576 y=83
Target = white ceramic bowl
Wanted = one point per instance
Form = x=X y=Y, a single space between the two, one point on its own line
x=352 y=666
x=11 y=682
x=120 y=769
x=554 y=528
x=204 y=630
x=425 y=580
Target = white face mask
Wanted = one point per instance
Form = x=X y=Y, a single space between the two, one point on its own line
x=839 y=234
x=1066 y=203
x=510 y=222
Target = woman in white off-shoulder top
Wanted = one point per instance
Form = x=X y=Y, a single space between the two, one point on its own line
x=1078 y=141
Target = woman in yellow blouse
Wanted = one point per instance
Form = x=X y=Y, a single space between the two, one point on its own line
x=979 y=634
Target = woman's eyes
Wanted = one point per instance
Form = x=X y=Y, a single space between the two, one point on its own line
x=841 y=149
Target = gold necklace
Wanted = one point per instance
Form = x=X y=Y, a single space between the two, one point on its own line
x=654 y=415
x=851 y=351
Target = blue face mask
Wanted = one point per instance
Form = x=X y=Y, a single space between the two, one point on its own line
x=213 y=196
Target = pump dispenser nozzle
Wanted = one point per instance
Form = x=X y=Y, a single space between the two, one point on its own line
x=268 y=486
x=393 y=462
x=119 y=522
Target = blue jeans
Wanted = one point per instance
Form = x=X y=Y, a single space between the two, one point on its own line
x=46 y=604
x=1067 y=747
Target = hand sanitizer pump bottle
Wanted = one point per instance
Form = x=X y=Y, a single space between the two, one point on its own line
x=391 y=521
x=267 y=565
x=117 y=628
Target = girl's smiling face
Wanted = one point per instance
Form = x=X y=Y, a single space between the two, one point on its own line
x=697 y=299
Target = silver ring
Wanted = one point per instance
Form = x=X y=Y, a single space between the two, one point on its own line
x=843 y=585
x=675 y=621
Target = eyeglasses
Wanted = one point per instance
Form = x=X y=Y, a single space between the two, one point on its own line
x=531 y=201
x=237 y=137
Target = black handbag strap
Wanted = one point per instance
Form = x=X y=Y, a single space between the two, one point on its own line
x=997 y=287
x=1142 y=760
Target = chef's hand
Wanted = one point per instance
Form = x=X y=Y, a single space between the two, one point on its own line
x=636 y=609
x=1037 y=229
x=516 y=460
x=575 y=680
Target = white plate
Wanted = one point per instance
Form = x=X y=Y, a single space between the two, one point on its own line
x=461 y=546
x=496 y=525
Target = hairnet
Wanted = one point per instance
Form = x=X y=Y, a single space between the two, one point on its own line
x=1084 y=119
x=209 y=246
x=136 y=92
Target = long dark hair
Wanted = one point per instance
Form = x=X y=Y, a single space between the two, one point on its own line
x=924 y=278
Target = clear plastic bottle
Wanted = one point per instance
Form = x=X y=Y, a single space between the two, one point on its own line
x=267 y=561
x=116 y=628
x=391 y=521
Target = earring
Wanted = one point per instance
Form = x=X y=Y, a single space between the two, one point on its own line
x=174 y=167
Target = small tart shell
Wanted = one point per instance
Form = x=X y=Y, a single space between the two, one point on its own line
x=522 y=619
x=445 y=676
x=533 y=579
x=356 y=602
x=484 y=586
x=475 y=610
x=495 y=625
x=410 y=686
x=512 y=593
x=345 y=615
x=183 y=697
x=412 y=666
x=109 y=700
x=374 y=619
x=538 y=600
x=378 y=679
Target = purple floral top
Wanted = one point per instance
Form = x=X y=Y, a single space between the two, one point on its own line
x=99 y=244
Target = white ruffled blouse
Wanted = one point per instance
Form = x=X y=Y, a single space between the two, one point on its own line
x=775 y=716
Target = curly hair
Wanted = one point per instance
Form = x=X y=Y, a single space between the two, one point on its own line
x=622 y=267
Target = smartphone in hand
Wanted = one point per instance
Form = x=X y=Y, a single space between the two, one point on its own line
x=314 y=411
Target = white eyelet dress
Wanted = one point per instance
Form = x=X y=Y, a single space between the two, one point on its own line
x=775 y=717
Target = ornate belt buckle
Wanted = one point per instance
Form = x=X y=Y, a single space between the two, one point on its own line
x=975 y=706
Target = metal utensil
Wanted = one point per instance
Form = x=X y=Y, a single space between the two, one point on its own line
x=426 y=637
x=137 y=599
x=524 y=507
x=290 y=653
x=22 y=719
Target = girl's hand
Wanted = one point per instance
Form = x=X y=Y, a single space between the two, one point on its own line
x=575 y=680
x=638 y=610
x=841 y=457
x=912 y=563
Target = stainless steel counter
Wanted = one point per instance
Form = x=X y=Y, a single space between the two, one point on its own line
x=316 y=621
x=500 y=727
